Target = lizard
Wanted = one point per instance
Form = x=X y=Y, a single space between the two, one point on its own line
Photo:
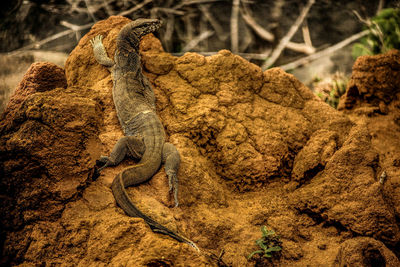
x=144 y=135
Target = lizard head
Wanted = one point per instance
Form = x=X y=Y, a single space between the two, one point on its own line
x=142 y=27
x=132 y=32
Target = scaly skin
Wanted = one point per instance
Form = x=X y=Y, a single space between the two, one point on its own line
x=144 y=134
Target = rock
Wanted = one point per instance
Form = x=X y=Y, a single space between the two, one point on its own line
x=40 y=77
x=15 y=65
x=373 y=98
x=257 y=148
x=375 y=80
x=347 y=194
x=242 y=121
x=48 y=147
x=313 y=157
x=365 y=251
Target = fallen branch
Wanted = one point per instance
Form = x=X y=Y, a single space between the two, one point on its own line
x=214 y=23
x=285 y=40
x=137 y=7
x=89 y=9
x=380 y=6
x=263 y=33
x=107 y=8
x=243 y=55
x=193 y=43
x=169 y=31
x=74 y=6
x=266 y=35
x=235 y=26
x=306 y=34
x=324 y=52
x=203 y=27
x=193 y=2
x=74 y=28
x=49 y=39
x=246 y=40
x=169 y=10
x=189 y=29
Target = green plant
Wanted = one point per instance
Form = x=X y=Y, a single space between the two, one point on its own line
x=339 y=88
x=269 y=243
x=331 y=89
x=384 y=34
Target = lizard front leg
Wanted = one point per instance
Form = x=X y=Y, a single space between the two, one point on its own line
x=171 y=160
x=100 y=53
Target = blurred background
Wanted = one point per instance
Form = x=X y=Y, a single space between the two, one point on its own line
x=316 y=40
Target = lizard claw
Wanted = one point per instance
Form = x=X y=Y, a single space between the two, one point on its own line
x=96 y=40
x=173 y=185
x=102 y=163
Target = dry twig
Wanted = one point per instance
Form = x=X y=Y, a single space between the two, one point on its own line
x=167 y=36
x=376 y=30
x=324 y=52
x=243 y=55
x=246 y=40
x=193 y=2
x=107 y=7
x=189 y=27
x=263 y=33
x=235 y=26
x=306 y=34
x=195 y=41
x=73 y=28
x=381 y=4
x=169 y=10
x=50 y=38
x=89 y=10
x=137 y=7
x=203 y=27
x=284 y=41
x=266 y=35
x=214 y=23
x=74 y=6
x=275 y=17
x=365 y=21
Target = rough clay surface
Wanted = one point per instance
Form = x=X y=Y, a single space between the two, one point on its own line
x=257 y=149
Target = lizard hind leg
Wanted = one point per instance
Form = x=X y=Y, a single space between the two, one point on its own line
x=171 y=160
x=132 y=146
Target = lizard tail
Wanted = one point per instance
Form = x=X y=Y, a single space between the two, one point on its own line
x=124 y=201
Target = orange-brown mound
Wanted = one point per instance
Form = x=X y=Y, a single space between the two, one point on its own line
x=257 y=148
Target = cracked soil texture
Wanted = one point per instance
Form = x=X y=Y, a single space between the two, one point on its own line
x=257 y=148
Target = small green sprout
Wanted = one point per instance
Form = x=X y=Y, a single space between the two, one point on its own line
x=331 y=89
x=269 y=243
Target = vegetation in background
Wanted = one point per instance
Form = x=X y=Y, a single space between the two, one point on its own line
x=331 y=89
x=269 y=243
x=384 y=34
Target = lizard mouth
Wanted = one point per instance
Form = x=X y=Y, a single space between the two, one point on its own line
x=148 y=26
x=153 y=27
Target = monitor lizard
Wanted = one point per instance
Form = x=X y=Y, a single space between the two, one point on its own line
x=144 y=137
